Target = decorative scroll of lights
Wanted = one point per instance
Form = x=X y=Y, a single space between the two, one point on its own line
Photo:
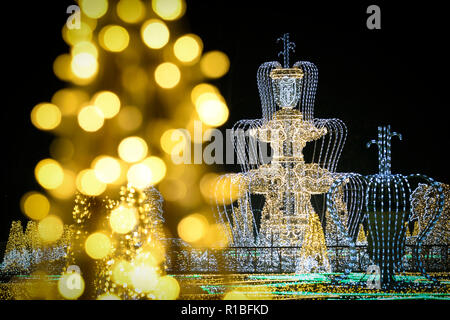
x=383 y=203
x=268 y=204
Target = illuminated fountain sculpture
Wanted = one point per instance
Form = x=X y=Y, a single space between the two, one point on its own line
x=284 y=183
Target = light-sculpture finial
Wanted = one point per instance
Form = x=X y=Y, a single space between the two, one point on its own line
x=384 y=148
x=287 y=47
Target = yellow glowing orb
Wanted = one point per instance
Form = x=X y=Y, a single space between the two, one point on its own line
x=157 y=167
x=212 y=110
x=214 y=64
x=139 y=176
x=62 y=67
x=167 y=75
x=235 y=295
x=86 y=47
x=49 y=173
x=121 y=272
x=130 y=11
x=107 y=169
x=88 y=183
x=68 y=187
x=35 y=205
x=108 y=296
x=76 y=35
x=132 y=149
x=50 y=228
x=167 y=288
x=94 y=8
x=193 y=227
x=202 y=88
x=129 y=118
x=123 y=219
x=144 y=278
x=98 y=245
x=114 y=38
x=71 y=285
x=173 y=141
x=68 y=100
x=84 y=65
x=188 y=48
x=90 y=118
x=169 y=9
x=46 y=116
x=155 y=33
x=108 y=102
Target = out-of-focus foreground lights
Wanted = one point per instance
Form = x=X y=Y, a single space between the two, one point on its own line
x=132 y=149
x=188 y=48
x=167 y=75
x=172 y=189
x=62 y=67
x=84 y=65
x=62 y=149
x=50 y=228
x=108 y=102
x=94 y=8
x=155 y=33
x=98 y=245
x=144 y=278
x=71 y=285
x=107 y=169
x=157 y=167
x=68 y=187
x=76 y=35
x=68 y=100
x=129 y=118
x=91 y=118
x=214 y=64
x=173 y=141
x=193 y=227
x=202 y=88
x=131 y=11
x=235 y=295
x=167 y=288
x=35 y=205
x=139 y=176
x=49 y=173
x=123 y=219
x=114 y=38
x=84 y=46
x=212 y=109
x=88 y=183
x=121 y=272
x=169 y=9
x=46 y=116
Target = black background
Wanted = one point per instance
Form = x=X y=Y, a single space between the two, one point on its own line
x=396 y=75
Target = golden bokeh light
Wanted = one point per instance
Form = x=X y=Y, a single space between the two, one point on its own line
x=46 y=116
x=107 y=169
x=132 y=149
x=68 y=100
x=94 y=8
x=155 y=33
x=84 y=65
x=68 y=187
x=235 y=295
x=62 y=67
x=88 y=183
x=76 y=35
x=172 y=189
x=212 y=109
x=173 y=141
x=216 y=236
x=129 y=118
x=188 y=48
x=35 y=205
x=157 y=167
x=86 y=47
x=130 y=11
x=167 y=75
x=50 y=228
x=225 y=189
x=49 y=173
x=108 y=102
x=71 y=285
x=167 y=288
x=169 y=9
x=123 y=219
x=98 y=245
x=202 y=88
x=121 y=272
x=139 y=176
x=193 y=227
x=144 y=278
x=114 y=38
x=90 y=118
x=214 y=64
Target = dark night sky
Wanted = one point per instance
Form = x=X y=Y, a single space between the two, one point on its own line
x=366 y=77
